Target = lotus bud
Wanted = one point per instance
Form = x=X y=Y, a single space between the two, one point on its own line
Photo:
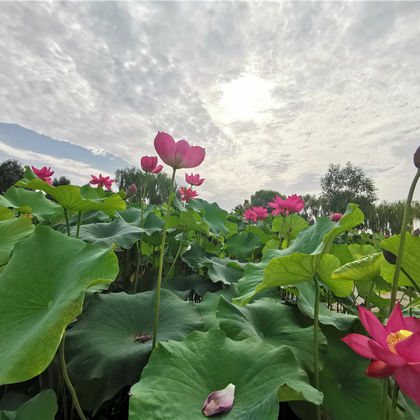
x=219 y=401
x=132 y=189
x=416 y=158
x=335 y=217
x=389 y=256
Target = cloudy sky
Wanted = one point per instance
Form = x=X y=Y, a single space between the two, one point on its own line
x=275 y=92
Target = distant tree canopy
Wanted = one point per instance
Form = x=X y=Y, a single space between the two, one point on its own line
x=11 y=171
x=61 y=181
x=343 y=185
x=157 y=186
x=262 y=197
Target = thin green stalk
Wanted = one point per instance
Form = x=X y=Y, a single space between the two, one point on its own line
x=171 y=269
x=412 y=280
x=316 y=355
x=402 y=239
x=67 y=380
x=289 y=232
x=139 y=253
x=79 y=222
x=162 y=250
x=66 y=217
x=369 y=294
x=392 y=414
x=384 y=405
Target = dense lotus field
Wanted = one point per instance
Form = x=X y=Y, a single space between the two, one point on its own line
x=117 y=310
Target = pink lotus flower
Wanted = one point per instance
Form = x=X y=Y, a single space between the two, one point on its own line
x=219 y=401
x=393 y=348
x=187 y=194
x=132 y=189
x=180 y=154
x=260 y=212
x=44 y=174
x=250 y=215
x=335 y=217
x=101 y=181
x=292 y=204
x=194 y=179
x=149 y=164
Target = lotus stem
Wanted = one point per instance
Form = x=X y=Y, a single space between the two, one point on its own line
x=162 y=250
x=316 y=354
x=384 y=405
x=79 y=222
x=404 y=223
x=171 y=269
x=67 y=380
x=140 y=254
x=392 y=414
x=66 y=217
x=412 y=281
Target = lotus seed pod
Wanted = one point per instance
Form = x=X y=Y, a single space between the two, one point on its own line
x=416 y=158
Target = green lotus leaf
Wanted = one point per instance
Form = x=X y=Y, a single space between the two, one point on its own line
x=243 y=244
x=271 y=244
x=306 y=301
x=41 y=407
x=290 y=225
x=271 y=321
x=208 y=305
x=363 y=269
x=327 y=266
x=206 y=362
x=106 y=343
x=41 y=291
x=223 y=270
x=190 y=282
x=13 y=231
x=5 y=213
x=341 y=251
x=190 y=220
x=70 y=197
x=348 y=392
x=257 y=231
x=212 y=214
x=360 y=251
x=117 y=232
x=410 y=260
x=34 y=201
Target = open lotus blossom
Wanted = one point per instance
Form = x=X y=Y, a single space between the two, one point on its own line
x=187 y=194
x=250 y=215
x=194 y=179
x=219 y=401
x=292 y=204
x=393 y=348
x=335 y=217
x=180 y=154
x=43 y=173
x=149 y=164
x=260 y=212
x=101 y=181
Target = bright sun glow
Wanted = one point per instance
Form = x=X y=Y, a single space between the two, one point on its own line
x=245 y=98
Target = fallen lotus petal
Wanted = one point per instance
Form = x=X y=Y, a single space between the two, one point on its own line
x=219 y=401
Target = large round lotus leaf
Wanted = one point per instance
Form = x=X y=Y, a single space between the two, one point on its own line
x=213 y=215
x=179 y=377
x=41 y=407
x=13 y=231
x=39 y=205
x=272 y=322
x=348 y=393
x=243 y=244
x=118 y=232
x=41 y=292
x=111 y=340
x=70 y=197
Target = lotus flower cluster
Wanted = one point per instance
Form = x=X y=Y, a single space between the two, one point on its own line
x=101 y=181
x=187 y=194
x=256 y=213
x=149 y=164
x=394 y=349
x=43 y=173
x=335 y=217
x=292 y=204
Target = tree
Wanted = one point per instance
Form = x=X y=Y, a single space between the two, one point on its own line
x=262 y=197
x=11 y=171
x=157 y=186
x=61 y=181
x=350 y=184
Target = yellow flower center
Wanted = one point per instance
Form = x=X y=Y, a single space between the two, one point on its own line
x=395 y=338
